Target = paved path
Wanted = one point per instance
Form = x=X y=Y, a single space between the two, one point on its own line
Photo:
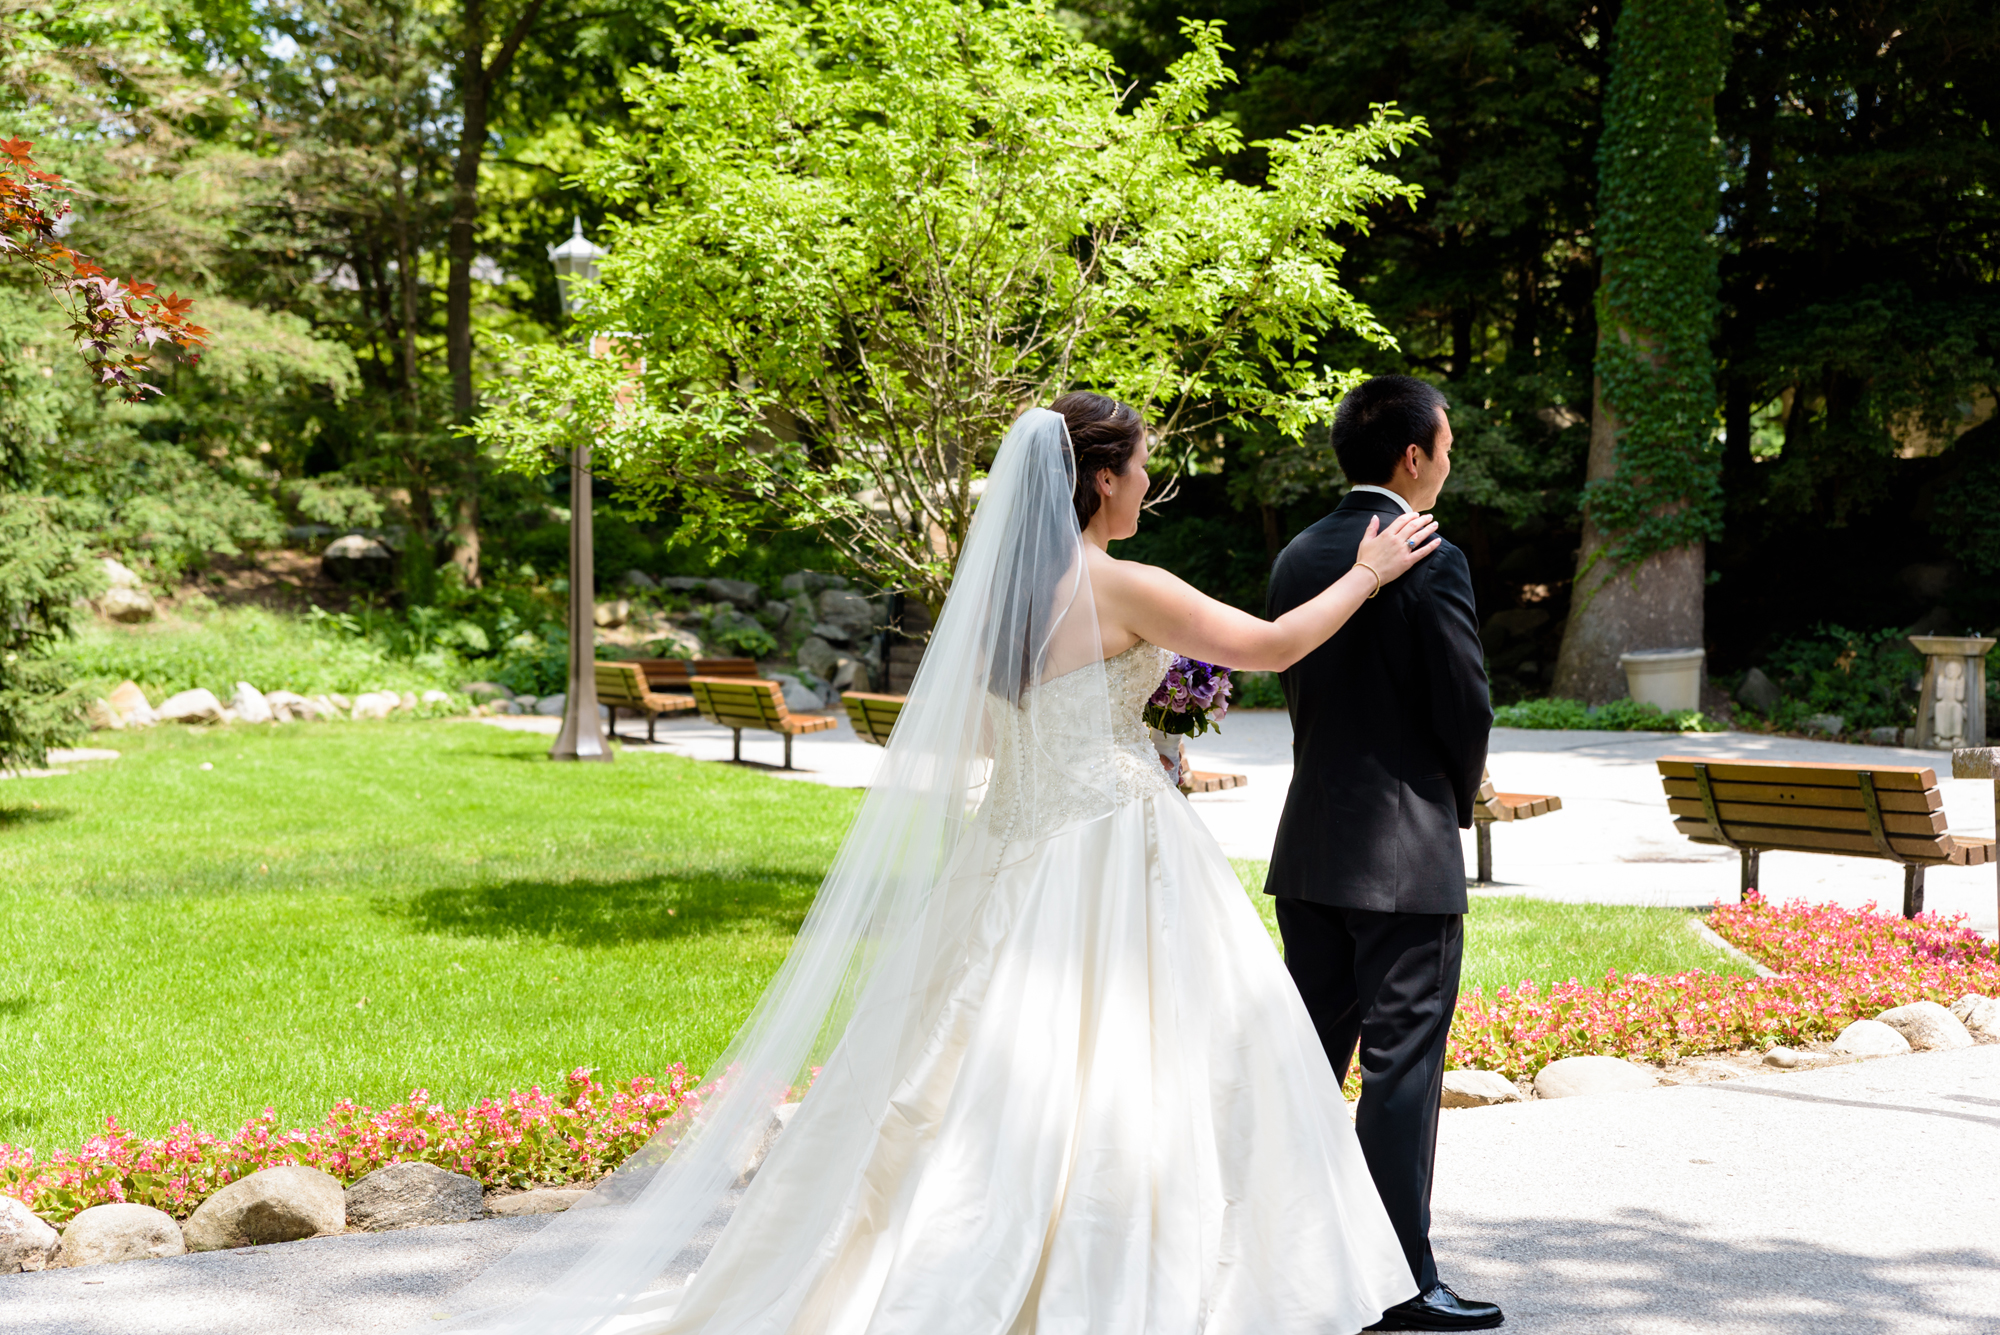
x=1856 y=1200
x=1613 y=842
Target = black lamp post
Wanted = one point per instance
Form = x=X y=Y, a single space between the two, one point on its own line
x=582 y=737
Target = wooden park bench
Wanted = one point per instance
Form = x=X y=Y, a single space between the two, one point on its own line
x=674 y=674
x=737 y=704
x=1209 y=781
x=1893 y=812
x=624 y=686
x=1503 y=807
x=872 y=714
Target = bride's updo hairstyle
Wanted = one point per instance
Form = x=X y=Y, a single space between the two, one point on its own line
x=1102 y=434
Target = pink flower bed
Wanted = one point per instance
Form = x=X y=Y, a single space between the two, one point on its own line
x=516 y=1141
x=1834 y=965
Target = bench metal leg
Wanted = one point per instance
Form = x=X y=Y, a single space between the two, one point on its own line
x=1749 y=874
x=788 y=750
x=611 y=720
x=651 y=719
x=1913 y=889
x=736 y=745
x=1482 y=837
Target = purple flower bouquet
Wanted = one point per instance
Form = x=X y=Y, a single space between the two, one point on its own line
x=1191 y=700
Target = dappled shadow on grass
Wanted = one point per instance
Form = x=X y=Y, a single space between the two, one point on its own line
x=611 y=913
x=32 y=815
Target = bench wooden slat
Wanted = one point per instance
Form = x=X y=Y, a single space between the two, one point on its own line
x=1845 y=799
x=1973 y=852
x=1902 y=778
x=1798 y=839
x=738 y=703
x=873 y=714
x=1521 y=806
x=1809 y=818
x=1207 y=781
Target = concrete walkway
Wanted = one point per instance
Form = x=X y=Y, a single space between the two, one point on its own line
x=1853 y=1200
x=1612 y=843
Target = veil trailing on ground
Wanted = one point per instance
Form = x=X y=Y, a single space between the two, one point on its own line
x=853 y=995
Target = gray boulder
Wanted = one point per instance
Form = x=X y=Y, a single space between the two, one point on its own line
x=741 y=592
x=482 y=691
x=376 y=704
x=104 y=1234
x=118 y=575
x=1575 y=1076
x=249 y=704
x=356 y=559
x=270 y=1205
x=288 y=707
x=1869 y=1038
x=196 y=706
x=1825 y=725
x=1759 y=692
x=639 y=579
x=552 y=705
x=1980 y=1015
x=541 y=1200
x=799 y=697
x=411 y=1195
x=127 y=605
x=685 y=583
x=1927 y=1026
x=1885 y=736
x=129 y=700
x=854 y=616
x=1477 y=1089
x=27 y=1241
x=775 y=614
x=809 y=581
x=818 y=657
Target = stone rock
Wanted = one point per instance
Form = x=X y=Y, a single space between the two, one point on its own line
x=551 y=705
x=128 y=699
x=1824 y=725
x=1885 y=736
x=1785 y=1058
x=844 y=675
x=541 y=1200
x=102 y=717
x=486 y=690
x=808 y=581
x=355 y=559
x=775 y=614
x=196 y=706
x=741 y=592
x=435 y=697
x=270 y=1205
x=407 y=700
x=818 y=657
x=286 y=706
x=612 y=615
x=799 y=697
x=123 y=1232
x=1574 y=1076
x=27 y=1241
x=781 y=1117
x=639 y=579
x=410 y=1195
x=1927 y=1026
x=1980 y=1015
x=850 y=612
x=1759 y=692
x=337 y=701
x=685 y=583
x=500 y=707
x=249 y=704
x=1477 y=1089
x=121 y=576
x=1869 y=1038
x=376 y=704
x=127 y=605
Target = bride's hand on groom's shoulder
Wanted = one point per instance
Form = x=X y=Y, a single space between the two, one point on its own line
x=1391 y=551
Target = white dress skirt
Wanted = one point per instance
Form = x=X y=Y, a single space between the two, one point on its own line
x=1116 y=1118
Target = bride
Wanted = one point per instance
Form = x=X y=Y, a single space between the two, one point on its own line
x=1064 y=1083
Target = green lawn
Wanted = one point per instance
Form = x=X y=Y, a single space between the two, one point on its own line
x=356 y=909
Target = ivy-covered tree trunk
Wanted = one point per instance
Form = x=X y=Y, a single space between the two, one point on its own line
x=1653 y=495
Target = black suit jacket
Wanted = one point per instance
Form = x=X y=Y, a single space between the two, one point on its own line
x=1389 y=726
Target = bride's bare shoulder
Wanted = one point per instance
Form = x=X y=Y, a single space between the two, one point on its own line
x=1111 y=577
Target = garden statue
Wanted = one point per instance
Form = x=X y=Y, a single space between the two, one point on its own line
x=1948 y=714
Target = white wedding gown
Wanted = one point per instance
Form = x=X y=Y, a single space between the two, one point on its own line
x=1112 y=1117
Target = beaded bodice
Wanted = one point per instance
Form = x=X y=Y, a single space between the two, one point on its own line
x=1052 y=764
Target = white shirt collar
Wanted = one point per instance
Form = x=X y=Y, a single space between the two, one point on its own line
x=1408 y=509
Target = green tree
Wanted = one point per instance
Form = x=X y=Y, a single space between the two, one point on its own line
x=869 y=233
x=1653 y=497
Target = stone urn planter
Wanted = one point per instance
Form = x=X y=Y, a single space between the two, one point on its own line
x=1952 y=711
x=1667 y=679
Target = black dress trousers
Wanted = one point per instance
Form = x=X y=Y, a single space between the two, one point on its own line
x=1387 y=983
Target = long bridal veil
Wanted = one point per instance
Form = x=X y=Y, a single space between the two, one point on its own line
x=854 y=994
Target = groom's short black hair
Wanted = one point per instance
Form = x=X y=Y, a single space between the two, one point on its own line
x=1381 y=418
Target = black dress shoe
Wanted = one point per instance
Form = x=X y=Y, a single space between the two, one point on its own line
x=1438 y=1308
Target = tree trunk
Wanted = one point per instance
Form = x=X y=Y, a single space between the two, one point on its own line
x=1656 y=604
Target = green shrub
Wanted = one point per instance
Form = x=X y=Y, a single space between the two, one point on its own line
x=1617 y=716
x=1869 y=678
x=1255 y=690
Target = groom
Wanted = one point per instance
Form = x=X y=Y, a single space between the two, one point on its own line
x=1389 y=724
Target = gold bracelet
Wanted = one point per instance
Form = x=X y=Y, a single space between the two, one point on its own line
x=1378 y=578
